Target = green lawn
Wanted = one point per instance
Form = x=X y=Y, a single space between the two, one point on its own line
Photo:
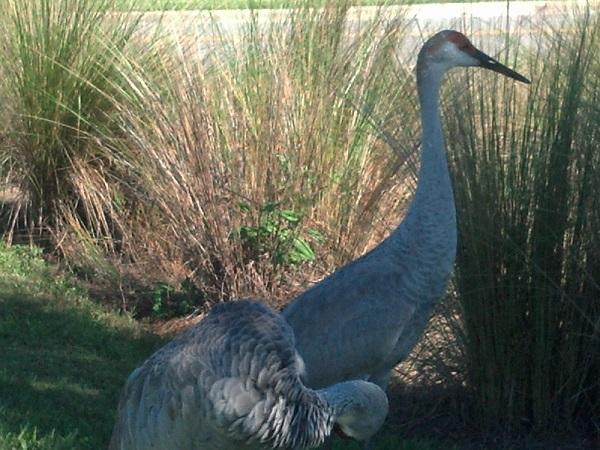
x=64 y=360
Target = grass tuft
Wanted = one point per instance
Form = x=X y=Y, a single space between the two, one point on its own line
x=58 y=73
x=526 y=169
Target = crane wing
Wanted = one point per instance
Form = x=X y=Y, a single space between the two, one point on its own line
x=217 y=382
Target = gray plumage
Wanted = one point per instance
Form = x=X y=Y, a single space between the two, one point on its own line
x=232 y=381
x=366 y=317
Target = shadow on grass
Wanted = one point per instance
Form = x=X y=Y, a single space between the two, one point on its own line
x=63 y=365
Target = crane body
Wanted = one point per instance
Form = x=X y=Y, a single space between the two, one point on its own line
x=366 y=317
x=232 y=382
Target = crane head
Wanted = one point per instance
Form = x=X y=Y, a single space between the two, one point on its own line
x=360 y=408
x=450 y=48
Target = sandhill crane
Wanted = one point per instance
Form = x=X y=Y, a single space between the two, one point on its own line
x=232 y=382
x=367 y=316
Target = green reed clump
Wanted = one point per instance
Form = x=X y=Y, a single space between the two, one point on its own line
x=526 y=164
x=58 y=73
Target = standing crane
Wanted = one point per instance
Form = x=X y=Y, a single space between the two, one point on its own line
x=366 y=317
x=233 y=382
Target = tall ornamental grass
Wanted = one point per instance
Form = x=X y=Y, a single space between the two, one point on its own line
x=58 y=73
x=269 y=153
x=526 y=165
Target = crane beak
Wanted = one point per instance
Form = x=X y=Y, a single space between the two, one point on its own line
x=490 y=63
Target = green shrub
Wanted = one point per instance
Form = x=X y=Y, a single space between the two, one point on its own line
x=275 y=235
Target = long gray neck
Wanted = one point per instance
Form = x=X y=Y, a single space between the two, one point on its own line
x=434 y=167
x=431 y=218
